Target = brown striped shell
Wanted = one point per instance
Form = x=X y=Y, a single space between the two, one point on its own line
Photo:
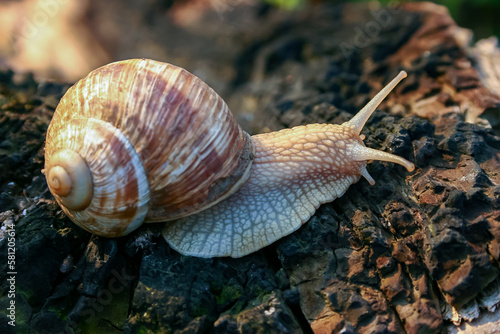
x=142 y=140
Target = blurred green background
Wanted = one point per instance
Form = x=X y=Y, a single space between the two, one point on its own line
x=481 y=16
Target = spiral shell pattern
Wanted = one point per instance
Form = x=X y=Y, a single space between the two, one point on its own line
x=151 y=130
x=104 y=192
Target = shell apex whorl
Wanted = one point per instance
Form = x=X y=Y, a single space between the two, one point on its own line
x=119 y=196
x=70 y=180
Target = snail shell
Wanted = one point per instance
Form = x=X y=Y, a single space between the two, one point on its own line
x=140 y=140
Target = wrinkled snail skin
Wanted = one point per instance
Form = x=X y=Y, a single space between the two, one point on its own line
x=294 y=171
x=155 y=144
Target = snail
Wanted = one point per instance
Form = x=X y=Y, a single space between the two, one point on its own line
x=141 y=140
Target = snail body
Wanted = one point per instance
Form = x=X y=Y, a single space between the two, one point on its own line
x=139 y=140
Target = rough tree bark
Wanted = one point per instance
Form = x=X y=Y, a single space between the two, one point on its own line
x=409 y=254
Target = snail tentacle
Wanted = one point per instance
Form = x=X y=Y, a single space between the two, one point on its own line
x=360 y=152
x=360 y=119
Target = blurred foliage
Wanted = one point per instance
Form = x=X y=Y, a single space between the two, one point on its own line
x=481 y=16
x=288 y=4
